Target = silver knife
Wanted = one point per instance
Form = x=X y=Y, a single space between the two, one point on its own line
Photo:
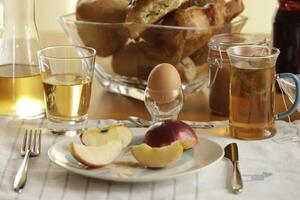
x=231 y=152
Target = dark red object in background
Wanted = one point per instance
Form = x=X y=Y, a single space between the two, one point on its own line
x=286 y=36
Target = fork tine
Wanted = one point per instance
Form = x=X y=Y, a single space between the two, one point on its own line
x=40 y=141
x=29 y=141
x=23 y=149
x=33 y=144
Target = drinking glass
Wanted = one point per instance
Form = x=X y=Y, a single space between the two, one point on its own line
x=252 y=91
x=67 y=73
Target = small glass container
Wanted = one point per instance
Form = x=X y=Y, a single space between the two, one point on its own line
x=219 y=67
x=163 y=105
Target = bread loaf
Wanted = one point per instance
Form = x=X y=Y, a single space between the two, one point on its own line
x=132 y=61
x=148 y=12
x=106 y=39
x=204 y=21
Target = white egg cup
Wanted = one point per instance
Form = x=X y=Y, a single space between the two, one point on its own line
x=163 y=105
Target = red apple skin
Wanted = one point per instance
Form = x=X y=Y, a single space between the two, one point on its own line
x=166 y=132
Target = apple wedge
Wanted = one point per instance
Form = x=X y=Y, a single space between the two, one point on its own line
x=157 y=157
x=165 y=132
x=98 y=136
x=96 y=156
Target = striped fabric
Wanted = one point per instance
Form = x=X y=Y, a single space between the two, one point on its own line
x=270 y=169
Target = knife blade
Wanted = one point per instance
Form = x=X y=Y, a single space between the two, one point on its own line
x=231 y=152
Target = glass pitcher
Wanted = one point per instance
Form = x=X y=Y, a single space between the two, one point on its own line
x=21 y=89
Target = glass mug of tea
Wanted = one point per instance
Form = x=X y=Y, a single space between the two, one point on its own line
x=252 y=91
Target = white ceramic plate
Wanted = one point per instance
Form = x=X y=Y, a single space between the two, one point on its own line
x=126 y=169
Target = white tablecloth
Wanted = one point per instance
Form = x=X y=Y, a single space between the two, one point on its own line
x=270 y=169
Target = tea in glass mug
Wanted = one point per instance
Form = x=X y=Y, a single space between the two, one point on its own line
x=252 y=92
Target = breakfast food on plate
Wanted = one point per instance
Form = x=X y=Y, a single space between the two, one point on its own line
x=100 y=146
x=101 y=136
x=164 y=143
x=96 y=156
x=149 y=12
x=105 y=39
x=166 y=132
x=157 y=157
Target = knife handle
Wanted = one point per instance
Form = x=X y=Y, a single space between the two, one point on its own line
x=237 y=182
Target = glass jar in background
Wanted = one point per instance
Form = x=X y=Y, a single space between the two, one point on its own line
x=286 y=36
x=21 y=89
x=219 y=67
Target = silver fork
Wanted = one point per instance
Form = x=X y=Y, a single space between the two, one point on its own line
x=31 y=147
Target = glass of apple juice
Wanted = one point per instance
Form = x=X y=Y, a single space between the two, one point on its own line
x=67 y=73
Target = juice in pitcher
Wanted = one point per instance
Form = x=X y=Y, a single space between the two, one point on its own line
x=21 y=88
x=22 y=94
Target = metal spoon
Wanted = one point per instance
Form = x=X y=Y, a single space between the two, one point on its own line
x=144 y=123
x=139 y=121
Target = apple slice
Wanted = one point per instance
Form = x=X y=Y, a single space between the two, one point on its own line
x=157 y=157
x=98 y=136
x=96 y=156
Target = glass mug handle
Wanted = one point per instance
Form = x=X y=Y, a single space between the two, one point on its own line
x=297 y=95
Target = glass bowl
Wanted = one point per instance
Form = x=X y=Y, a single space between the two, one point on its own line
x=123 y=63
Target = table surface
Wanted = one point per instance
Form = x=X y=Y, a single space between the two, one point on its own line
x=265 y=164
x=106 y=105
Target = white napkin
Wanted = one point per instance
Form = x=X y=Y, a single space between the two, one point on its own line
x=270 y=169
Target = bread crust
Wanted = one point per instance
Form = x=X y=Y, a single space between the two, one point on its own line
x=135 y=60
x=181 y=42
x=110 y=11
x=200 y=3
x=198 y=37
x=148 y=12
x=132 y=60
x=232 y=9
x=105 y=39
x=204 y=22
